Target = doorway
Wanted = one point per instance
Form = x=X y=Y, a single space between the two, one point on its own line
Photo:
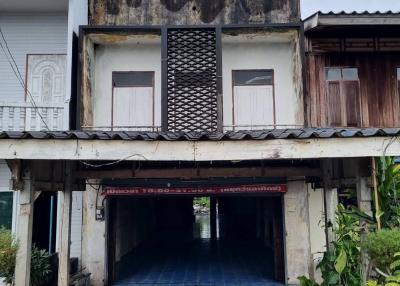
x=209 y=240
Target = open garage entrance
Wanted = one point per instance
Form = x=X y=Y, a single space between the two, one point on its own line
x=213 y=239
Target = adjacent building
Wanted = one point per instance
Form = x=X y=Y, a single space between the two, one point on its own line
x=35 y=65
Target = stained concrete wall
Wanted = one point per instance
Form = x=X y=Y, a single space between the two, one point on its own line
x=192 y=12
x=93 y=238
x=298 y=245
x=317 y=228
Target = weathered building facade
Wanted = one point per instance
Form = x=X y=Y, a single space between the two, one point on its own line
x=194 y=66
x=225 y=100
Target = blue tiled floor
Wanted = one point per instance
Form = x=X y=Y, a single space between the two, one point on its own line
x=198 y=262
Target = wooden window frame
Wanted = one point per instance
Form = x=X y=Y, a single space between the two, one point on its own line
x=152 y=96
x=343 y=96
x=233 y=92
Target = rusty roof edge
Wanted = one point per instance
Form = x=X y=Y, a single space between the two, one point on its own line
x=317 y=19
x=266 y=134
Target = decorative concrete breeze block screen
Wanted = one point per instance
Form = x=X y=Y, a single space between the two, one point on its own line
x=192 y=80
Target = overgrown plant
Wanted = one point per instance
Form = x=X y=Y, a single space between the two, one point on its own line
x=8 y=253
x=388 y=177
x=341 y=265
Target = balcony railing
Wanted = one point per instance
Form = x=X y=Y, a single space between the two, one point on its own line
x=122 y=128
x=22 y=116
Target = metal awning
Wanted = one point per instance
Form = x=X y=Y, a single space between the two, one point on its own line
x=231 y=146
x=365 y=20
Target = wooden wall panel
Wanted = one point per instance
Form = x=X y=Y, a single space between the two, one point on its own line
x=378 y=89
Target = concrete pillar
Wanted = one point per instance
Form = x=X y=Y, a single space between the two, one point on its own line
x=317 y=231
x=65 y=230
x=364 y=201
x=331 y=204
x=93 y=236
x=298 y=247
x=330 y=201
x=364 y=198
x=24 y=231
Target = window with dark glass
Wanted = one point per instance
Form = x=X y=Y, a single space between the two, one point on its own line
x=253 y=99
x=6 y=205
x=343 y=96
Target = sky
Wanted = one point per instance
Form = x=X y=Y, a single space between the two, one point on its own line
x=309 y=7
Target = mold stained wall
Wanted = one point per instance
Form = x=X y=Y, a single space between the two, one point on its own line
x=192 y=12
x=141 y=53
x=276 y=51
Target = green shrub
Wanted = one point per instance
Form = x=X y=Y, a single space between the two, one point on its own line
x=40 y=267
x=392 y=278
x=40 y=261
x=8 y=253
x=382 y=246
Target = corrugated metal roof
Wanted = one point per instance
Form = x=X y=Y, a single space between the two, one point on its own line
x=353 y=18
x=355 y=13
x=303 y=133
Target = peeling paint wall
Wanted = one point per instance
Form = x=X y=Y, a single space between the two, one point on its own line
x=192 y=12
x=298 y=246
x=87 y=60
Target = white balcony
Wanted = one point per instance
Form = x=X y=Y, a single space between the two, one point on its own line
x=23 y=116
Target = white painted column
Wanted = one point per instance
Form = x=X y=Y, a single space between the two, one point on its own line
x=65 y=230
x=24 y=231
x=298 y=246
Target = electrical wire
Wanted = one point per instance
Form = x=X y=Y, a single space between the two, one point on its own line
x=114 y=162
x=19 y=77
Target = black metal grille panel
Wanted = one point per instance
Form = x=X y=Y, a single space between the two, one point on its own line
x=192 y=80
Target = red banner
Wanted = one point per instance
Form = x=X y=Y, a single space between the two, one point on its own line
x=243 y=189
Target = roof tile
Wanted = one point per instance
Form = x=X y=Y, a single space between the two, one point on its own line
x=268 y=134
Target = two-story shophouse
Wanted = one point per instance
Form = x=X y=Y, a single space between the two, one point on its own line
x=222 y=100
